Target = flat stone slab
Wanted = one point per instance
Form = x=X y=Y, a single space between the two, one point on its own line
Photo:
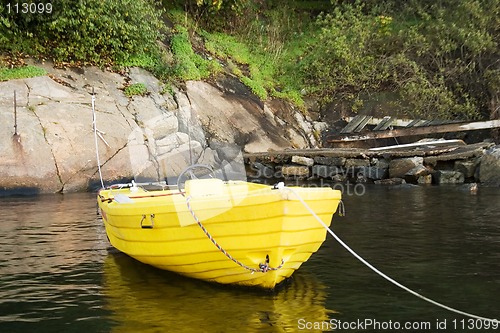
x=460 y=153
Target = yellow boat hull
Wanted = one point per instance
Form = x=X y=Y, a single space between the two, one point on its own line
x=226 y=232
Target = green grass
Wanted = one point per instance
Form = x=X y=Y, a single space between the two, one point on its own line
x=21 y=72
x=255 y=86
x=255 y=68
x=264 y=56
x=188 y=64
x=136 y=89
x=266 y=63
x=146 y=61
x=225 y=46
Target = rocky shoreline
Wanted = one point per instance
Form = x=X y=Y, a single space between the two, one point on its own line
x=427 y=164
x=161 y=132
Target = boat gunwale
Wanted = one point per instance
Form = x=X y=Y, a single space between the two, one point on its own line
x=253 y=189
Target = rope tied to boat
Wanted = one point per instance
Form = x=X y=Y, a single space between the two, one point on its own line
x=263 y=267
x=388 y=278
x=341 y=208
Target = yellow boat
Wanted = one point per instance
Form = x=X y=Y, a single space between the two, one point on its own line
x=230 y=232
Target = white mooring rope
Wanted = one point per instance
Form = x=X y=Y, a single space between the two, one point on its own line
x=95 y=138
x=388 y=278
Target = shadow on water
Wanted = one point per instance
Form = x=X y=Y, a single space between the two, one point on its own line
x=142 y=298
x=19 y=192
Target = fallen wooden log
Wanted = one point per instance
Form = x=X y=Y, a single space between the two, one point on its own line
x=454 y=127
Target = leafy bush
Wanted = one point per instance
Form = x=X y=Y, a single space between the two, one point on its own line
x=440 y=58
x=217 y=14
x=86 y=31
x=427 y=55
x=456 y=44
x=143 y=60
x=344 y=62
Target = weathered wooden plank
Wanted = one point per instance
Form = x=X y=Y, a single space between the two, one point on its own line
x=434 y=143
x=362 y=124
x=454 y=127
x=395 y=121
x=384 y=124
x=416 y=123
x=353 y=124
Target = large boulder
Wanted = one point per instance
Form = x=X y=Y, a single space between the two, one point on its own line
x=418 y=174
x=302 y=160
x=448 y=177
x=398 y=168
x=230 y=113
x=325 y=160
x=325 y=171
x=489 y=169
x=468 y=167
x=295 y=171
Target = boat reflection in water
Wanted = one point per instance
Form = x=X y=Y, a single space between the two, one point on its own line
x=146 y=299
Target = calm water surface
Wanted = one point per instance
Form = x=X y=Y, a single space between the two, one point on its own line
x=59 y=274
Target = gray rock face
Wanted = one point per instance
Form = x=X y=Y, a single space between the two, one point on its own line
x=230 y=118
x=489 y=171
x=151 y=137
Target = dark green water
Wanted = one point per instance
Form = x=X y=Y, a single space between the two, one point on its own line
x=58 y=274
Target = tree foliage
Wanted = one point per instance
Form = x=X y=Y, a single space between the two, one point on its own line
x=440 y=58
x=436 y=55
x=228 y=15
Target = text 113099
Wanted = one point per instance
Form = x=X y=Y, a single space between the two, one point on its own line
x=29 y=8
